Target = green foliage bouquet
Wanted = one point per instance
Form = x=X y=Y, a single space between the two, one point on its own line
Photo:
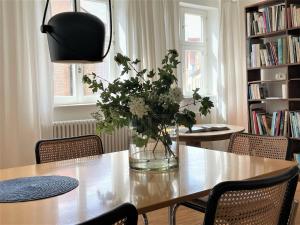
x=149 y=101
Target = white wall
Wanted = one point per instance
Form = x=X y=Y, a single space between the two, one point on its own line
x=73 y=112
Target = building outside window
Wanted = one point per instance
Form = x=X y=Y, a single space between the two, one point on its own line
x=68 y=86
x=193 y=49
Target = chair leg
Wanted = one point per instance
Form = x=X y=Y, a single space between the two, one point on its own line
x=172 y=214
x=145 y=218
x=293 y=212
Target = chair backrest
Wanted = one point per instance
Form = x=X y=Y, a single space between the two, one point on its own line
x=262 y=146
x=67 y=148
x=265 y=201
x=125 y=214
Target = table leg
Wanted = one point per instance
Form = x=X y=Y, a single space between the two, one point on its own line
x=145 y=218
x=172 y=214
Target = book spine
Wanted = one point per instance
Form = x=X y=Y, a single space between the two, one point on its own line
x=248 y=24
x=295 y=125
x=292 y=124
x=284 y=51
x=255 y=123
x=264 y=119
x=281 y=123
x=291 y=51
x=285 y=123
x=259 y=124
x=262 y=58
x=277 y=128
x=297 y=116
x=266 y=57
x=280 y=51
x=273 y=124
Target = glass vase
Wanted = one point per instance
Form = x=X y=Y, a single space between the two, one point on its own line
x=155 y=155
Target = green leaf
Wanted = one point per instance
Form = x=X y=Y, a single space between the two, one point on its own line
x=136 y=61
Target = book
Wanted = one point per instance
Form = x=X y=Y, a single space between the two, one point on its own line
x=293 y=15
x=266 y=19
x=254 y=109
x=271 y=53
x=258 y=91
x=265 y=123
x=207 y=128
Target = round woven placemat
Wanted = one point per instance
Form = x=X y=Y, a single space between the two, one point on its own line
x=34 y=188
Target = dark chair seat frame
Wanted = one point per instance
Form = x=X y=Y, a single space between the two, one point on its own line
x=125 y=214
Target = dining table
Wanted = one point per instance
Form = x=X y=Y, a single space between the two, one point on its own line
x=196 y=138
x=106 y=181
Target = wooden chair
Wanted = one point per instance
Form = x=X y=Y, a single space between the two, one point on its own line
x=248 y=144
x=125 y=214
x=67 y=148
x=265 y=201
x=261 y=146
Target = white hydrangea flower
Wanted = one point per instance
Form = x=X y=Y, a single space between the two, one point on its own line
x=138 y=107
x=165 y=100
x=176 y=94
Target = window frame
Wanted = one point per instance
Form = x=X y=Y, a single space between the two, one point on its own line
x=193 y=46
x=78 y=97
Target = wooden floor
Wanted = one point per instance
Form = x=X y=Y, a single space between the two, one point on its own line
x=190 y=217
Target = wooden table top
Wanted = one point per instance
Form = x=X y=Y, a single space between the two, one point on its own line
x=106 y=181
x=211 y=135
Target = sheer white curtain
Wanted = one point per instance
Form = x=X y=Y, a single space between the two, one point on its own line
x=147 y=29
x=25 y=82
x=232 y=92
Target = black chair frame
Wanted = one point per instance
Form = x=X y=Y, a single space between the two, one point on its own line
x=220 y=189
x=125 y=211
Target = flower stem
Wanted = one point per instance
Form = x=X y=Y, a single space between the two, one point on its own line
x=193 y=103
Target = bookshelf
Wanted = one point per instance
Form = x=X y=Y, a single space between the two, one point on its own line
x=273 y=68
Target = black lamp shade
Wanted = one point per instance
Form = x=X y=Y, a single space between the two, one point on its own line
x=76 y=37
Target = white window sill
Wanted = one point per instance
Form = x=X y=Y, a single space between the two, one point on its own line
x=74 y=105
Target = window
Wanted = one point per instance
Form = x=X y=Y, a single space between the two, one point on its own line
x=193 y=49
x=68 y=86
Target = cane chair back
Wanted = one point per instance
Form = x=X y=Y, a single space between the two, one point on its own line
x=68 y=148
x=125 y=214
x=261 y=146
x=257 y=202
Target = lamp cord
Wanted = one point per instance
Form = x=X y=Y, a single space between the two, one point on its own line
x=110 y=36
x=75 y=6
x=43 y=27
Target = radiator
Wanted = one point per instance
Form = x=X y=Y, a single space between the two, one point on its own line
x=118 y=140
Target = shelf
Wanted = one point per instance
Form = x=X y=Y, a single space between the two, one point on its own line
x=266 y=35
x=275 y=66
x=269 y=99
x=291 y=101
x=265 y=3
x=293 y=28
x=274 y=33
x=294 y=139
x=266 y=81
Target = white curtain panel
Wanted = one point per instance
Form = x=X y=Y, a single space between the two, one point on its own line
x=232 y=88
x=147 y=29
x=26 y=97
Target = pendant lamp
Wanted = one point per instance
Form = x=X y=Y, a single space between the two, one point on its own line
x=76 y=37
